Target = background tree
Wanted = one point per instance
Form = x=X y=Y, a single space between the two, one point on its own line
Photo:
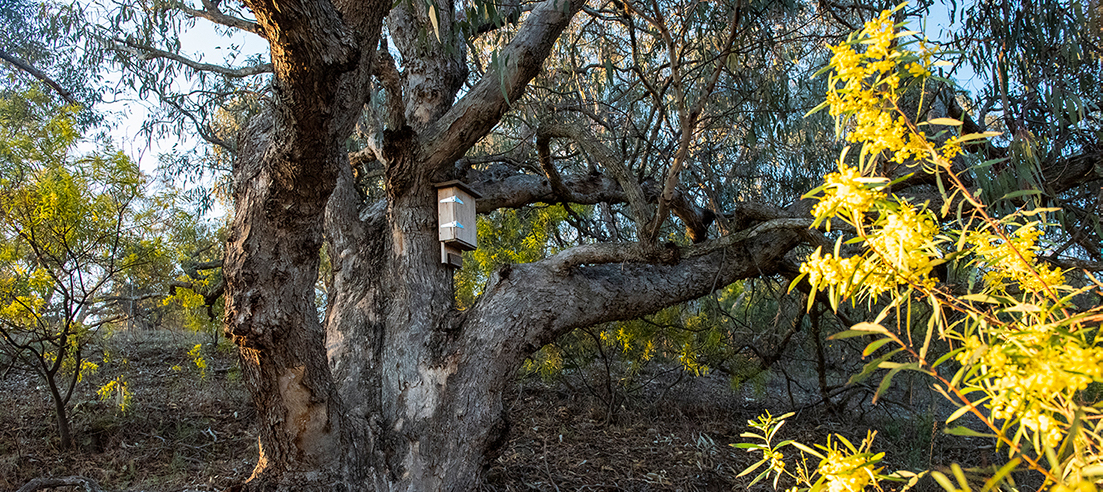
x=43 y=43
x=71 y=225
x=1041 y=92
x=680 y=123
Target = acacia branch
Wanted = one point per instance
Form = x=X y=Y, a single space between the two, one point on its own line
x=38 y=74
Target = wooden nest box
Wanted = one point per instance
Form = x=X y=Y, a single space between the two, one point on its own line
x=456 y=221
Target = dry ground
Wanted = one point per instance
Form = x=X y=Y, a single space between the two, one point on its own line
x=184 y=432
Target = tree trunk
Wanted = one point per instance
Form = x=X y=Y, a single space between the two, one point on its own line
x=398 y=390
x=60 y=412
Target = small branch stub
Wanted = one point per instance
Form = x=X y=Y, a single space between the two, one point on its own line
x=456 y=218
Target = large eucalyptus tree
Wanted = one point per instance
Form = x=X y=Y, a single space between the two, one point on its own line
x=398 y=389
x=679 y=120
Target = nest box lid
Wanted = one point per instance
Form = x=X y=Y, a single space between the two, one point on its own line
x=458 y=184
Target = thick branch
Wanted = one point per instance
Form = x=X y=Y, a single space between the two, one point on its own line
x=1073 y=171
x=391 y=80
x=210 y=295
x=192 y=269
x=515 y=191
x=591 y=254
x=542 y=300
x=696 y=219
x=36 y=73
x=1075 y=264
x=523 y=189
x=473 y=116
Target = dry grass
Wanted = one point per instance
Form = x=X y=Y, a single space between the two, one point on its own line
x=181 y=430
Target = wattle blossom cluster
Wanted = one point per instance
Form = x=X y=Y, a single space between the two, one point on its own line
x=1015 y=260
x=1031 y=361
x=866 y=84
x=849 y=194
x=830 y=271
x=851 y=471
x=903 y=240
x=1030 y=367
x=900 y=240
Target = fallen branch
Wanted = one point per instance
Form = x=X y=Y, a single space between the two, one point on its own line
x=42 y=483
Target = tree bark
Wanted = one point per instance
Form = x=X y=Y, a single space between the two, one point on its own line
x=289 y=162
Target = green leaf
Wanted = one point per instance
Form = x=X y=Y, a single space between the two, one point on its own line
x=860 y=329
x=1018 y=193
x=943 y=481
x=947 y=356
x=752 y=468
x=978 y=136
x=808 y=450
x=988 y=163
x=965 y=431
x=959 y=475
x=1039 y=210
x=983 y=298
x=1023 y=308
x=872 y=366
x=1092 y=470
x=1004 y=470
x=760 y=476
x=870 y=327
x=873 y=346
x=817 y=108
x=848 y=334
x=750 y=446
x=887 y=380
